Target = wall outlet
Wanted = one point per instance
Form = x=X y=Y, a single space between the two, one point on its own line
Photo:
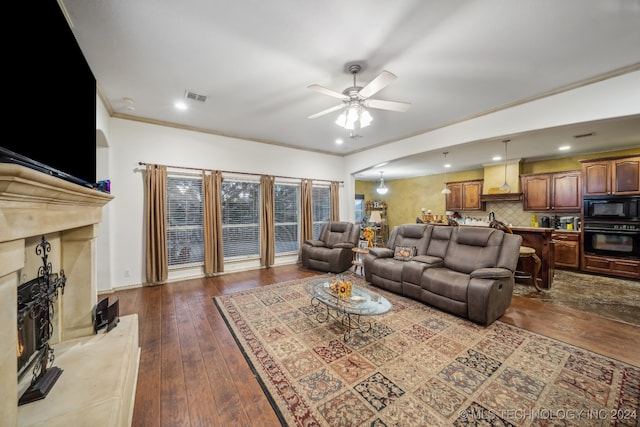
x=127 y=273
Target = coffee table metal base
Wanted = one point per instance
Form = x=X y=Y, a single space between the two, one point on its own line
x=347 y=319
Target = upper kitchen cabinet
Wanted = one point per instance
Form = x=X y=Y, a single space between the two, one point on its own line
x=559 y=191
x=465 y=196
x=603 y=177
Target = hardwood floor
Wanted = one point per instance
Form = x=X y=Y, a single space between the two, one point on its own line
x=192 y=373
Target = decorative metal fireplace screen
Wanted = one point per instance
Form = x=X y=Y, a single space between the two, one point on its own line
x=35 y=311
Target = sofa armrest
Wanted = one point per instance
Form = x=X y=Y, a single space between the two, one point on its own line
x=430 y=261
x=345 y=245
x=381 y=252
x=491 y=273
x=316 y=243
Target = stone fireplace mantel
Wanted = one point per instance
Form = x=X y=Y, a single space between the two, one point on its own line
x=33 y=204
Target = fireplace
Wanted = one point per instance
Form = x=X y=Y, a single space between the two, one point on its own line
x=35 y=321
x=32 y=205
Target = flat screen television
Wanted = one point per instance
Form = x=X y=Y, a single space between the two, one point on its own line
x=52 y=95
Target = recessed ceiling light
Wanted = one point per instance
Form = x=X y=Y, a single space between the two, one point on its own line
x=496 y=158
x=179 y=105
x=339 y=141
x=447 y=165
x=564 y=147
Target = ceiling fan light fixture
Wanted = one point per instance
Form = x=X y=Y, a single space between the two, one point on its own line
x=382 y=189
x=355 y=117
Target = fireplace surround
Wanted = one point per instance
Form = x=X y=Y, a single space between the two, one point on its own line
x=33 y=204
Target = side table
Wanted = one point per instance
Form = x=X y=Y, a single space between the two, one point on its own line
x=358 y=255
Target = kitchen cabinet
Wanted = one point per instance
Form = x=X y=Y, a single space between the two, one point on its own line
x=612 y=266
x=620 y=176
x=567 y=249
x=465 y=196
x=558 y=191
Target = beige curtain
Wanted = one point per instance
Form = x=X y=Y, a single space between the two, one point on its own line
x=157 y=259
x=334 y=191
x=213 y=247
x=267 y=222
x=306 y=209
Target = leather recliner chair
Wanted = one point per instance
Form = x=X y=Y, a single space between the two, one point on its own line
x=331 y=252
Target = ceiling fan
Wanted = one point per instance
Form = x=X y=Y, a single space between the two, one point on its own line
x=356 y=98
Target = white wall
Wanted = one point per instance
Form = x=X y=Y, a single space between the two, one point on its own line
x=132 y=142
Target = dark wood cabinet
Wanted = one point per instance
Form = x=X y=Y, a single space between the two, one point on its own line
x=615 y=266
x=567 y=249
x=559 y=191
x=536 y=190
x=620 y=176
x=465 y=196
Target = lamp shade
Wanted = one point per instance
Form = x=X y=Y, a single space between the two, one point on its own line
x=375 y=217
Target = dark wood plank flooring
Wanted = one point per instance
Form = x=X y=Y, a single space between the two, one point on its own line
x=192 y=373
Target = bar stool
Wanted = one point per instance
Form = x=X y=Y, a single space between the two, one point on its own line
x=525 y=252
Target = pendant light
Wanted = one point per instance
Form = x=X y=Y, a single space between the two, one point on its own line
x=445 y=190
x=382 y=189
x=505 y=188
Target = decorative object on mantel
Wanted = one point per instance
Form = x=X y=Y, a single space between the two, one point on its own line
x=35 y=301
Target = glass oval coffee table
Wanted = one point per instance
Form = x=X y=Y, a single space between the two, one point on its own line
x=347 y=310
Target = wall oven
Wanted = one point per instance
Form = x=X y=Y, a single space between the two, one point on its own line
x=619 y=208
x=617 y=239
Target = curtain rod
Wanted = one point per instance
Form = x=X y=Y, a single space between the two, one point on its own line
x=234 y=172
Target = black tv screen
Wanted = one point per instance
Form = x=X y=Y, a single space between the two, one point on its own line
x=52 y=90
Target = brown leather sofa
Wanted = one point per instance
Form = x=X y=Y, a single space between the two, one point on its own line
x=467 y=271
x=332 y=250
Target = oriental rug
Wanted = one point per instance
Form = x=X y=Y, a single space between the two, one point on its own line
x=419 y=366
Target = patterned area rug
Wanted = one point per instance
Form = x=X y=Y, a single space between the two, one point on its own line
x=614 y=298
x=418 y=366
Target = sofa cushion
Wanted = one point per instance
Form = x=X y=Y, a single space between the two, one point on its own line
x=336 y=232
x=472 y=248
x=388 y=268
x=445 y=282
x=439 y=242
x=411 y=235
x=404 y=253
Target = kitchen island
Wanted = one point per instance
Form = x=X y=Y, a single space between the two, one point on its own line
x=538 y=238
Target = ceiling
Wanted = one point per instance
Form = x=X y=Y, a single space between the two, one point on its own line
x=253 y=61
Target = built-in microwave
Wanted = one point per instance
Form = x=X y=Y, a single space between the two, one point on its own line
x=612 y=207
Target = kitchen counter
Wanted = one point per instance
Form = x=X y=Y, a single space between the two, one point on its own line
x=538 y=238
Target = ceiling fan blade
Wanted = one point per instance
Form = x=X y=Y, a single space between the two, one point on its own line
x=326 y=91
x=387 y=105
x=377 y=84
x=327 y=111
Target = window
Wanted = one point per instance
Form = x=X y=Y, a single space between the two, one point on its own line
x=185 y=241
x=287 y=214
x=240 y=218
x=359 y=207
x=321 y=207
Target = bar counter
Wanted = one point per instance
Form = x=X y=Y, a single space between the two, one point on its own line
x=538 y=238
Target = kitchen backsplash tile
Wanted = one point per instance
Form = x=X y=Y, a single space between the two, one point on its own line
x=512 y=213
